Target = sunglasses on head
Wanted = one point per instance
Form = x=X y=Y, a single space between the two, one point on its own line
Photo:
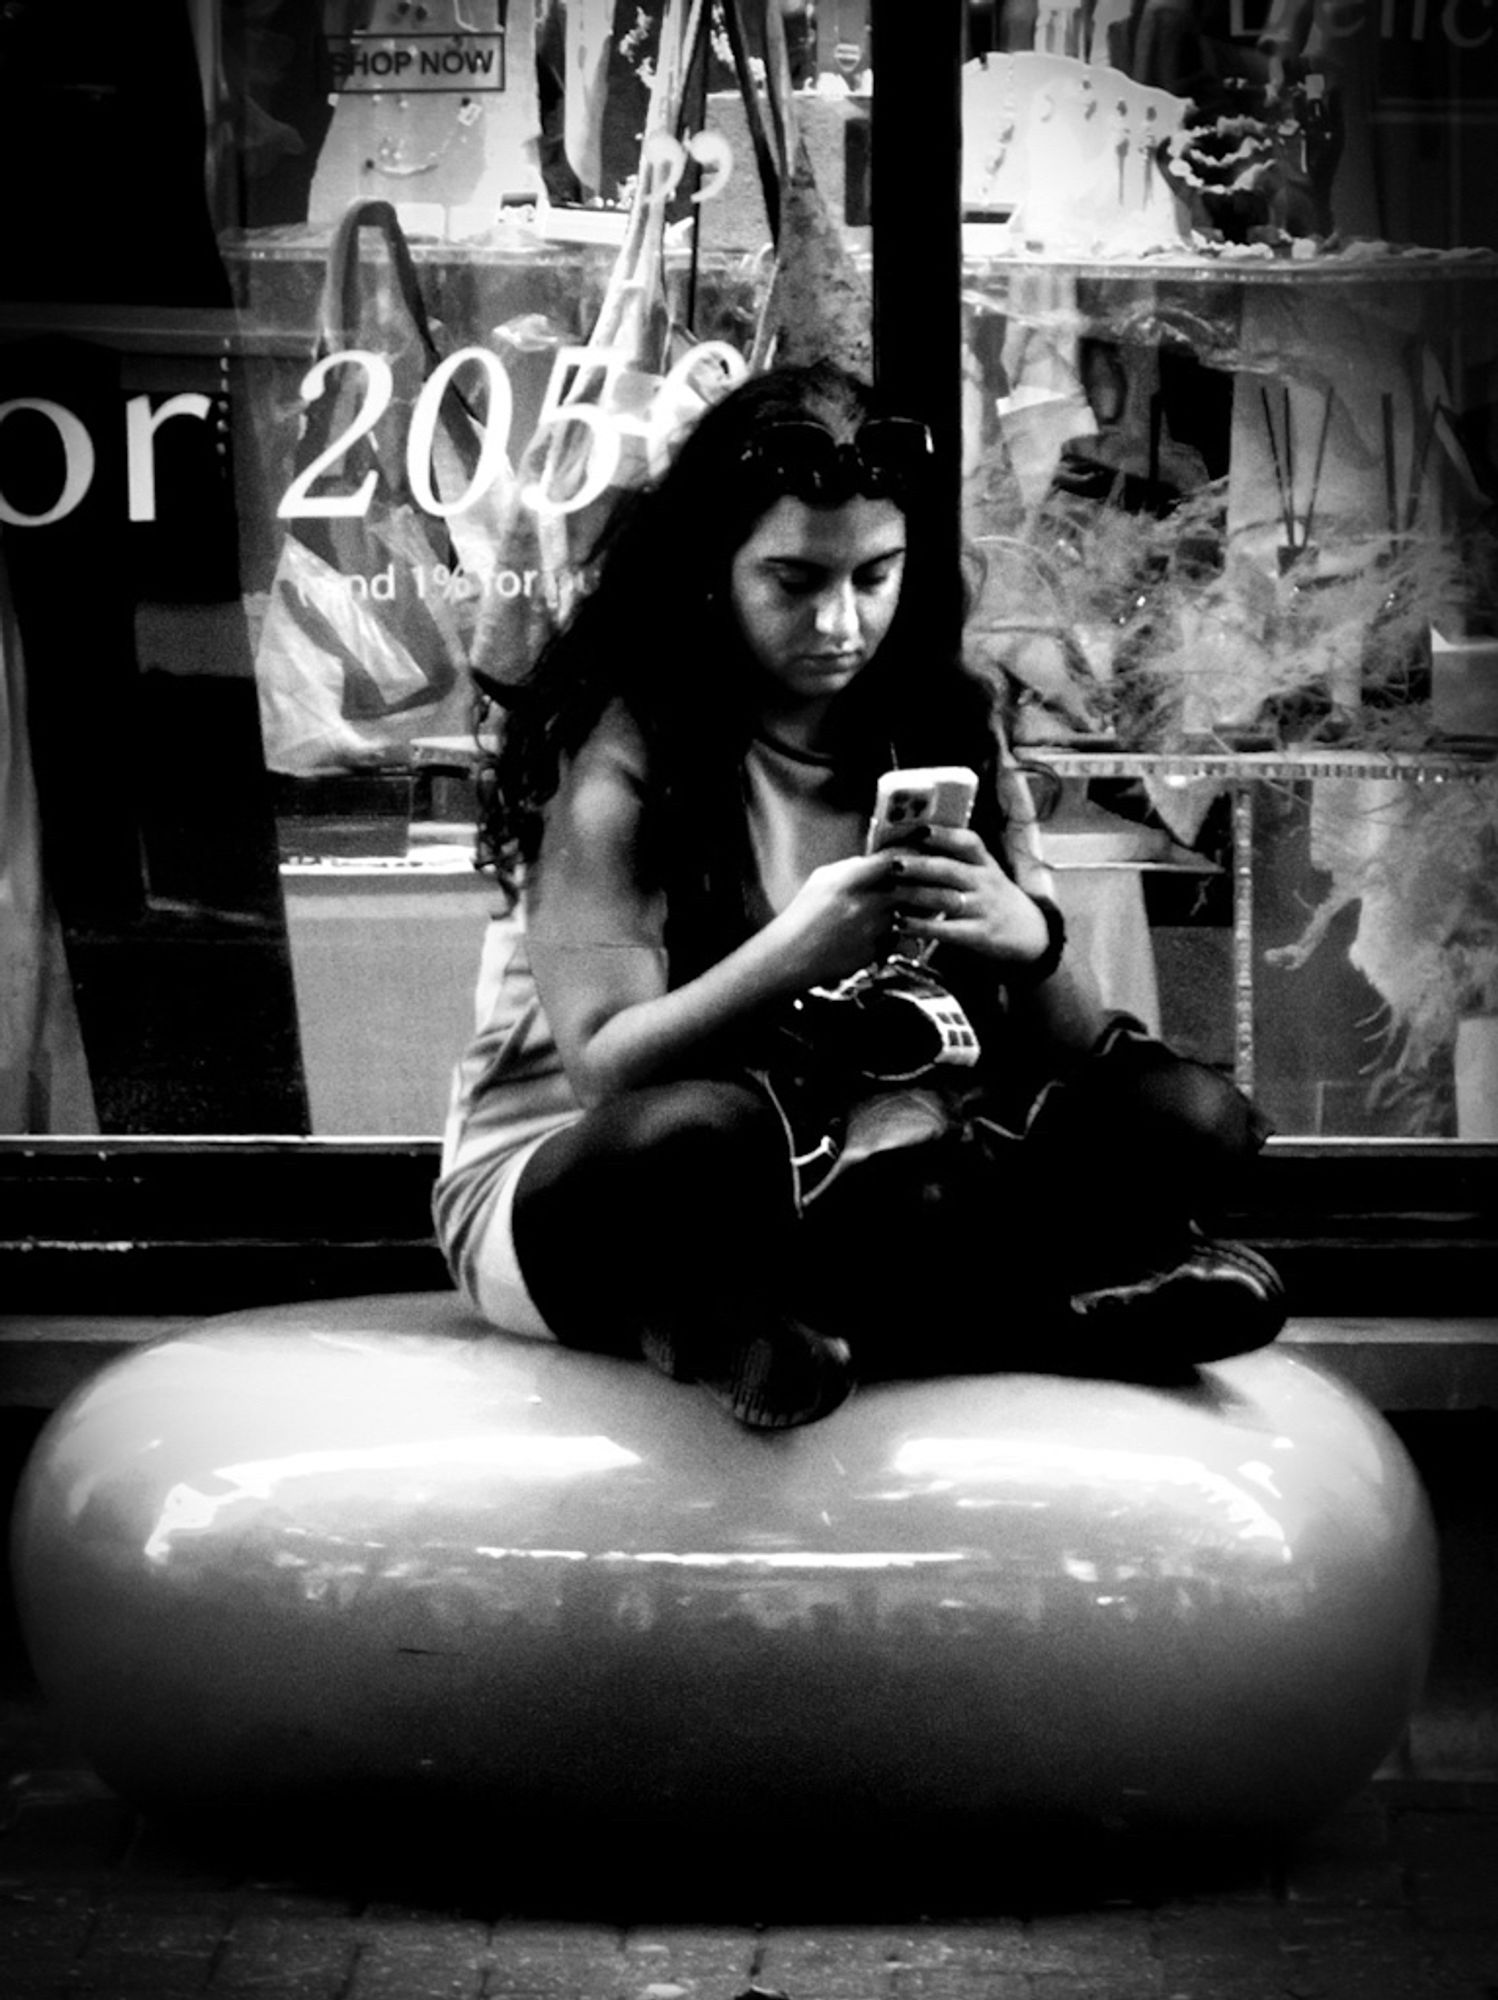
x=885 y=459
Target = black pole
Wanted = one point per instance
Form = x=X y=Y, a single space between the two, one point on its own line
x=915 y=189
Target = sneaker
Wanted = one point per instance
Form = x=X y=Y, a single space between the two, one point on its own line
x=771 y=1373
x=1221 y=1299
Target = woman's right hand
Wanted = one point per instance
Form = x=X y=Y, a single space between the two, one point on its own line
x=840 y=919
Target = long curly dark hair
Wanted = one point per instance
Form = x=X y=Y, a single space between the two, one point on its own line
x=655 y=630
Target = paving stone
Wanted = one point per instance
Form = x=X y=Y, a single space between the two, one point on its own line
x=554 y=1962
x=32 y=1983
x=419 y=1956
x=1115 y=1946
x=43 y=1933
x=957 y=1962
x=1216 y=1953
x=1469 y=1961
x=827 y=1962
x=1333 y=1954
x=124 y=1977
x=1395 y=1898
x=1305 y=1953
x=957 y=1983
x=153 y=1942
x=687 y=1962
x=286 y=1958
x=1002 y=1945
x=1091 y=1985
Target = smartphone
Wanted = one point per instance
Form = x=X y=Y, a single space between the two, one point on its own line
x=938 y=795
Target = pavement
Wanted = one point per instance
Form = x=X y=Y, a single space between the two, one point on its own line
x=1395 y=1897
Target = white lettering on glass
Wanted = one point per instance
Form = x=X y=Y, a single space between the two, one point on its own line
x=299 y=502
x=492 y=459
x=78 y=462
x=141 y=426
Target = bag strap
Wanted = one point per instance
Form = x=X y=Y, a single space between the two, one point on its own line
x=338 y=309
x=769 y=154
x=338 y=315
x=337 y=321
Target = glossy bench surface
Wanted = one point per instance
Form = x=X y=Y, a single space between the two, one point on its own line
x=369 y=1549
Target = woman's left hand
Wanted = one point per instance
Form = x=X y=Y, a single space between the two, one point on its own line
x=954 y=891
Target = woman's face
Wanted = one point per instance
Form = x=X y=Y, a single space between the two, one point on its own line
x=814 y=591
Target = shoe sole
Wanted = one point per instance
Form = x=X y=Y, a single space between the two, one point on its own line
x=1206 y=1309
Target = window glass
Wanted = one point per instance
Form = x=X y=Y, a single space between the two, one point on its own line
x=1230 y=318
x=327 y=329
x=276 y=491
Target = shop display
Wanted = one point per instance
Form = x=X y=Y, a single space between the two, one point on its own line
x=1120 y=131
x=437 y=107
x=1238 y=439
x=1228 y=386
x=1418 y=866
x=1230 y=368
x=833 y=125
x=446 y=479
x=44 y=1083
x=365 y=643
x=1068 y=156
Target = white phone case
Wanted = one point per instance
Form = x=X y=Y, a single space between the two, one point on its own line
x=935 y=795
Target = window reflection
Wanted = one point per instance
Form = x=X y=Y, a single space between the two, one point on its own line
x=1228 y=292
x=1228 y=373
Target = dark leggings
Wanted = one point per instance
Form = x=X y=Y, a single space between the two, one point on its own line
x=660 y=1196
x=670 y=1196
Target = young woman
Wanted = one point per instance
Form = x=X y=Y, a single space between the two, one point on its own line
x=710 y=1114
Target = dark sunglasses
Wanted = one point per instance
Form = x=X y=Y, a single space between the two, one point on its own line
x=887 y=458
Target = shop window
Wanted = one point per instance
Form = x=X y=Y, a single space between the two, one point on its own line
x=278 y=495
x=381 y=303
x=1229 y=395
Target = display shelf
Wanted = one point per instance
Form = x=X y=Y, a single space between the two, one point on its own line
x=462 y=753
x=275 y=276
x=1246 y=766
x=1243 y=773
x=1376 y=266
x=1217 y=309
x=310 y=246
x=1197 y=867
x=298 y=244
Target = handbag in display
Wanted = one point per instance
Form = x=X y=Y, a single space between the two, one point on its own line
x=623 y=399
x=369 y=629
x=44 y=1079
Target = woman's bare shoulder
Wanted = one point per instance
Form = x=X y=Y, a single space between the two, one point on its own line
x=616 y=746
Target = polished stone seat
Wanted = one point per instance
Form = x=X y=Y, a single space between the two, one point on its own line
x=369 y=1550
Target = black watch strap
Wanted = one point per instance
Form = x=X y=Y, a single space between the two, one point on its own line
x=1035 y=971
